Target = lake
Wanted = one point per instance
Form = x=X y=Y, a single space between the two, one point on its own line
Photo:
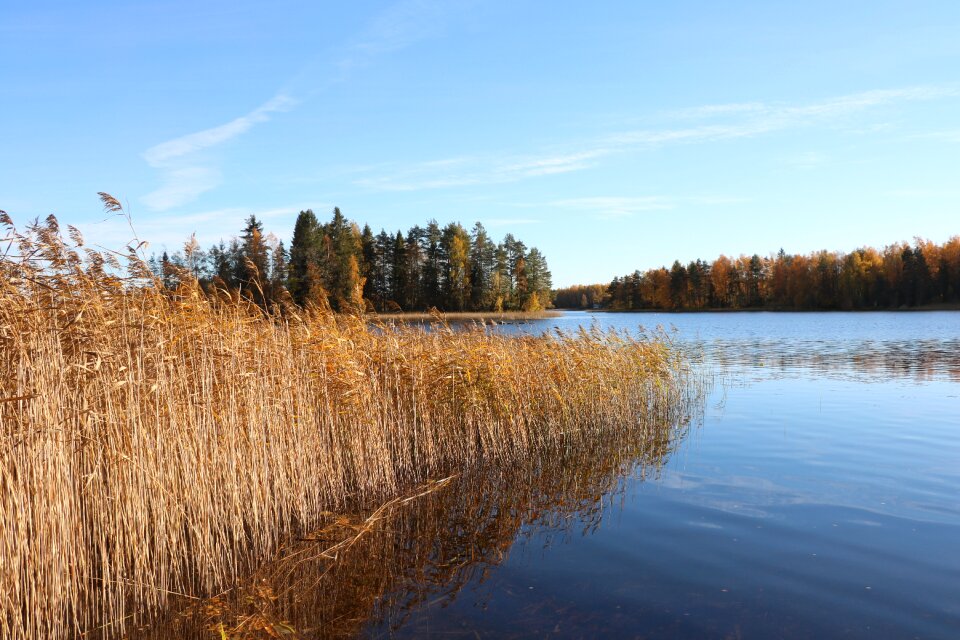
x=817 y=495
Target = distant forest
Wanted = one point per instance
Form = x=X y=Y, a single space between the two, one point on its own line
x=337 y=264
x=899 y=275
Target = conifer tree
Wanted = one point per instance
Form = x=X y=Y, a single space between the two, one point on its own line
x=399 y=271
x=368 y=249
x=432 y=269
x=539 y=281
x=305 y=249
x=482 y=265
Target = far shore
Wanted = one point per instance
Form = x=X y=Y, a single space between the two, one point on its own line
x=465 y=316
x=951 y=306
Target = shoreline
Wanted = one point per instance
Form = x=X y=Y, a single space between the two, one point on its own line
x=924 y=308
x=463 y=316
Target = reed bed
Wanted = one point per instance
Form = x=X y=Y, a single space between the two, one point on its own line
x=362 y=572
x=159 y=445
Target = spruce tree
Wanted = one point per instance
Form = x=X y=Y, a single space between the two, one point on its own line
x=304 y=258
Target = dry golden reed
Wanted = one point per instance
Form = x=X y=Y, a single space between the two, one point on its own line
x=158 y=445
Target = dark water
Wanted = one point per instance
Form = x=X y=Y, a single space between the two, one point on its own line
x=817 y=497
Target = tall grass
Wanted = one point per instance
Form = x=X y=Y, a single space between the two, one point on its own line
x=361 y=572
x=158 y=446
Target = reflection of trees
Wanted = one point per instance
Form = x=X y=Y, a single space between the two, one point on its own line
x=364 y=569
x=918 y=360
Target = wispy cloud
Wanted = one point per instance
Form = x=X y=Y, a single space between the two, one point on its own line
x=163 y=153
x=182 y=177
x=171 y=231
x=398 y=27
x=508 y=222
x=923 y=193
x=807 y=160
x=713 y=110
x=738 y=121
x=465 y=171
x=616 y=207
x=949 y=135
x=180 y=185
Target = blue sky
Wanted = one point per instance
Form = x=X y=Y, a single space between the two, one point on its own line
x=613 y=135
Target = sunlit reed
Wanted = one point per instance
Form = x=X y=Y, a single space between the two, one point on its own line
x=158 y=446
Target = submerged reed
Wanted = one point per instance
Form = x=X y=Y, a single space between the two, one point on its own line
x=158 y=446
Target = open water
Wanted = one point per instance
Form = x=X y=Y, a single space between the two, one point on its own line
x=818 y=496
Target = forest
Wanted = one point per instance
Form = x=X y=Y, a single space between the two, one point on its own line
x=337 y=265
x=898 y=276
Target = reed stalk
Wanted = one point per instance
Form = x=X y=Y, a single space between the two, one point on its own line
x=158 y=445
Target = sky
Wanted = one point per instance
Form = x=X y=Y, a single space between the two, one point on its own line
x=613 y=136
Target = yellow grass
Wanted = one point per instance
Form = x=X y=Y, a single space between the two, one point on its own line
x=156 y=447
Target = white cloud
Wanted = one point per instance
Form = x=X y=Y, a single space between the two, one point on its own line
x=459 y=172
x=161 y=154
x=807 y=160
x=180 y=186
x=712 y=110
x=923 y=193
x=183 y=180
x=949 y=135
x=741 y=120
x=616 y=207
x=508 y=222
x=171 y=231
x=398 y=27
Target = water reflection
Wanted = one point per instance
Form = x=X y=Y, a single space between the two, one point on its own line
x=812 y=505
x=918 y=347
x=363 y=573
x=919 y=360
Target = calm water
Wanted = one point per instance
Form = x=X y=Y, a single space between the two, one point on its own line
x=818 y=496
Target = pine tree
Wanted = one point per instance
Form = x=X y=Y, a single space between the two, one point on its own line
x=384 y=268
x=412 y=296
x=368 y=249
x=278 y=272
x=501 y=286
x=399 y=273
x=253 y=265
x=539 y=281
x=432 y=265
x=304 y=267
x=341 y=244
x=482 y=266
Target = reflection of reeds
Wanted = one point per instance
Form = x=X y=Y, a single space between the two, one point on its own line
x=917 y=360
x=158 y=446
x=360 y=573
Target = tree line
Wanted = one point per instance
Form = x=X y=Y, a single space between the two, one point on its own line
x=899 y=275
x=335 y=264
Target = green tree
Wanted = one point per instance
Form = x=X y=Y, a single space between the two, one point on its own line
x=342 y=253
x=252 y=268
x=399 y=272
x=304 y=264
x=539 y=281
x=432 y=270
x=482 y=265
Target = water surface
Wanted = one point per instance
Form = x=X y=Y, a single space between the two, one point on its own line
x=817 y=498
